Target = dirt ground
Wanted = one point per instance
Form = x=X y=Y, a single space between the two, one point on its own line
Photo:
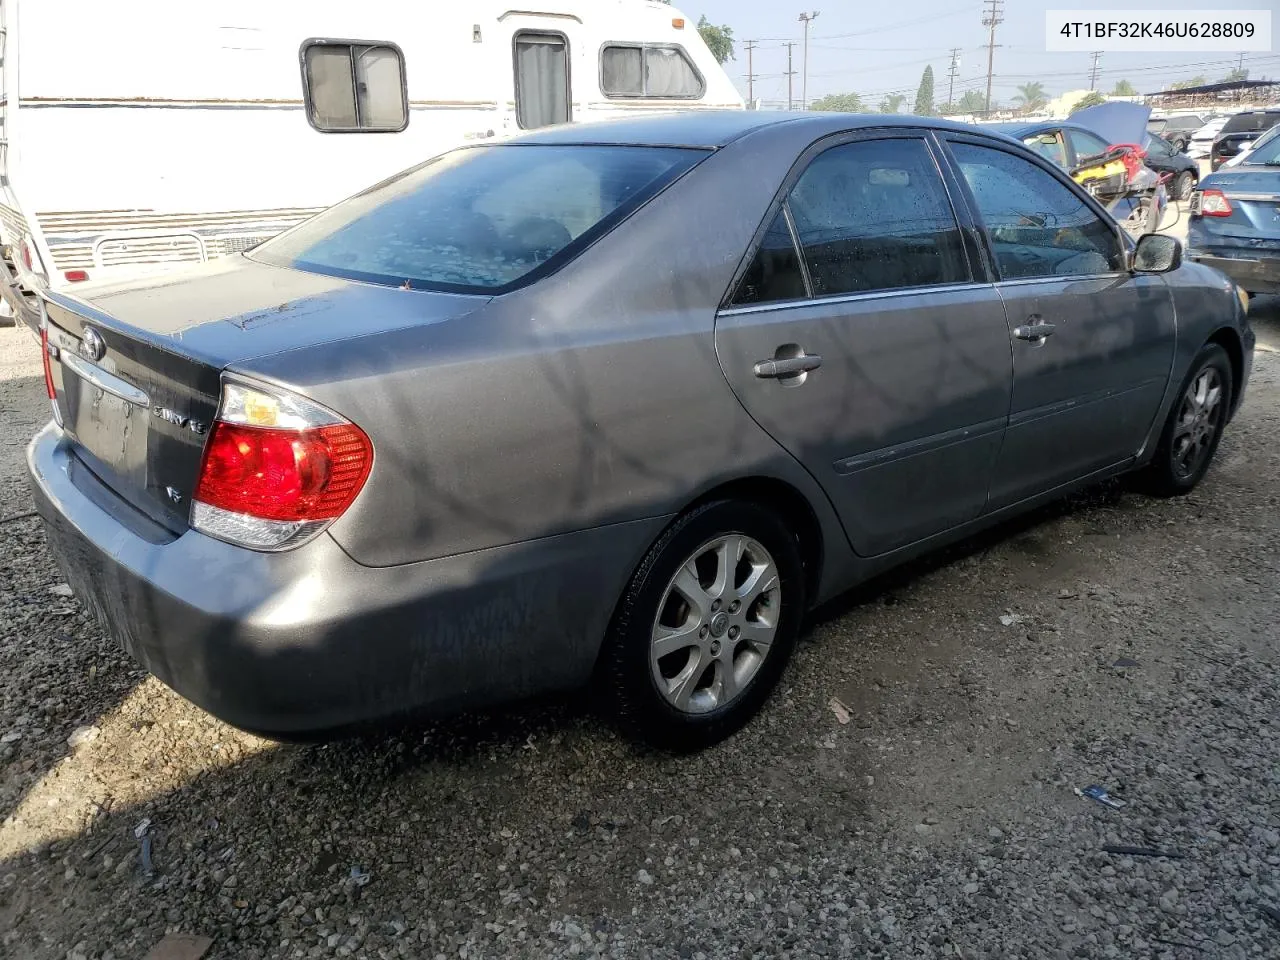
x=1112 y=640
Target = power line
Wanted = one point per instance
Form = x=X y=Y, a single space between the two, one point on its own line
x=1093 y=72
x=991 y=19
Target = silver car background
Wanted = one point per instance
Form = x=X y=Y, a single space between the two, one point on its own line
x=616 y=402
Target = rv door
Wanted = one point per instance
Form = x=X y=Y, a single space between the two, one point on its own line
x=541 y=64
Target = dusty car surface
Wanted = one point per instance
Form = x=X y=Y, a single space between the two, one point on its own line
x=616 y=404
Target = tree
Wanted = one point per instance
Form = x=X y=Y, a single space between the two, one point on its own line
x=838 y=103
x=892 y=103
x=1031 y=96
x=1090 y=99
x=1240 y=73
x=973 y=101
x=1196 y=81
x=1124 y=88
x=719 y=40
x=924 y=95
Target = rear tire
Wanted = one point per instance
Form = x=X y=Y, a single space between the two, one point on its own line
x=1183 y=185
x=1194 y=426
x=681 y=673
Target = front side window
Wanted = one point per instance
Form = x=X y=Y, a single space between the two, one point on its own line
x=874 y=215
x=542 y=79
x=479 y=219
x=1049 y=146
x=1038 y=226
x=648 y=70
x=354 y=87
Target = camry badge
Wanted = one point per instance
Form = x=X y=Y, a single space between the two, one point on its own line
x=178 y=420
x=92 y=346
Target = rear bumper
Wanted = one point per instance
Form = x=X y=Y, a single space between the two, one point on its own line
x=1256 y=274
x=308 y=640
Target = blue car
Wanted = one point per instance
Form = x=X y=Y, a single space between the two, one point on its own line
x=1235 y=219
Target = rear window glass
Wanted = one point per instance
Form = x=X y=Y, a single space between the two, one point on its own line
x=1243 y=122
x=480 y=219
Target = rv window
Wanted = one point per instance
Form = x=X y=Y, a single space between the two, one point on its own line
x=648 y=70
x=354 y=87
x=542 y=79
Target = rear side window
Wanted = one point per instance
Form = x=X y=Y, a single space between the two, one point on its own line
x=775 y=272
x=1038 y=227
x=354 y=87
x=479 y=219
x=648 y=70
x=874 y=215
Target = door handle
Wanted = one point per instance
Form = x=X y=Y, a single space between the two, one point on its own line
x=1035 y=331
x=788 y=366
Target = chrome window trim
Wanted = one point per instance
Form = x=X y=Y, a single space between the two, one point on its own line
x=894 y=292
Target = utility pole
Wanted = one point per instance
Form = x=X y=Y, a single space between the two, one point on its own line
x=751 y=76
x=951 y=75
x=991 y=10
x=790 y=73
x=1093 y=71
x=806 y=19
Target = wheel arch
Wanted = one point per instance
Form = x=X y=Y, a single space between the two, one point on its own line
x=1229 y=339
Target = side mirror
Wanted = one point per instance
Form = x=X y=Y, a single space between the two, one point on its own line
x=1157 y=253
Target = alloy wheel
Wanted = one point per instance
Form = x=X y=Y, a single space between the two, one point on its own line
x=716 y=624
x=1199 y=418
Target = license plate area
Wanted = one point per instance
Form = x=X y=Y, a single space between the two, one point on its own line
x=107 y=417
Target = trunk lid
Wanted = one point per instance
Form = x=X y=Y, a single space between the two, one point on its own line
x=1254 y=194
x=136 y=366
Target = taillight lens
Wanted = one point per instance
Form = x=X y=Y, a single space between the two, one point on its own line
x=76 y=276
x=277 y=469
x=1211 y=203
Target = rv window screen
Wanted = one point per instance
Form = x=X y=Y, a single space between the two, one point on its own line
x=649 y=70
x=354 y=87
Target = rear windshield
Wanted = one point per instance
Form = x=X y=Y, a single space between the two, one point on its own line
x=1266 y=150
x=480 y=219
x=1243 y=122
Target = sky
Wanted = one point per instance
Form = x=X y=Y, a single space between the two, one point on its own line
x=874 y=49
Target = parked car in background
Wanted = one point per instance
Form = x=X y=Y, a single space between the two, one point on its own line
x=1182 y=170
x=1202 y=140
x=613 y=403
x=1239 y=131
x=1248 y=148
x=1235 y=218
x=1176 y=130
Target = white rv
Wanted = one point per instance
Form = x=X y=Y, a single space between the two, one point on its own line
x=143 y=134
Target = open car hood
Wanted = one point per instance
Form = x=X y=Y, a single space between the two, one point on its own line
x=1115 y=122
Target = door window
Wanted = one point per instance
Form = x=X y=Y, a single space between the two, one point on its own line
x=1086 y=144
x=542 y=79
x=775 y=272
x=1037 y=225
x=874 y=215
x=1050 y=146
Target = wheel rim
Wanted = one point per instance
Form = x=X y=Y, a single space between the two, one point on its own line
x=716 y=624
x=1199 y=417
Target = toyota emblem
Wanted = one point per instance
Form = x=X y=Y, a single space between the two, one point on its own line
x=92 y=346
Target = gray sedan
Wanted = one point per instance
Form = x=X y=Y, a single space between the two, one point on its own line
x=614 y=404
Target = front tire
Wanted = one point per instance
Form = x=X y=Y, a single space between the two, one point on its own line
x=1194 y=427
x=705 y=626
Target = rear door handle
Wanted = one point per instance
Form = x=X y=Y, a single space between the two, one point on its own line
x=1035 y=331
x=787 y=367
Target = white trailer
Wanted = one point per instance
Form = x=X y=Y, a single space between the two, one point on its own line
x=144 y=134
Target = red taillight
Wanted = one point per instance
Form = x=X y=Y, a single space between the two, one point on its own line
x=48 y=363
x=277 y=469
x=76 y=276
x=1214 y=203
x=287 y=475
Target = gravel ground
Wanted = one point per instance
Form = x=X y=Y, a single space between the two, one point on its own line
x=1112 y=640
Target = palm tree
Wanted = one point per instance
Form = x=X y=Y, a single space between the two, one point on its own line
x=1031 y=96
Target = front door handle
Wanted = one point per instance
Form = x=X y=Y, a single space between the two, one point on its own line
x=1036 y=331
x=787 y=366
